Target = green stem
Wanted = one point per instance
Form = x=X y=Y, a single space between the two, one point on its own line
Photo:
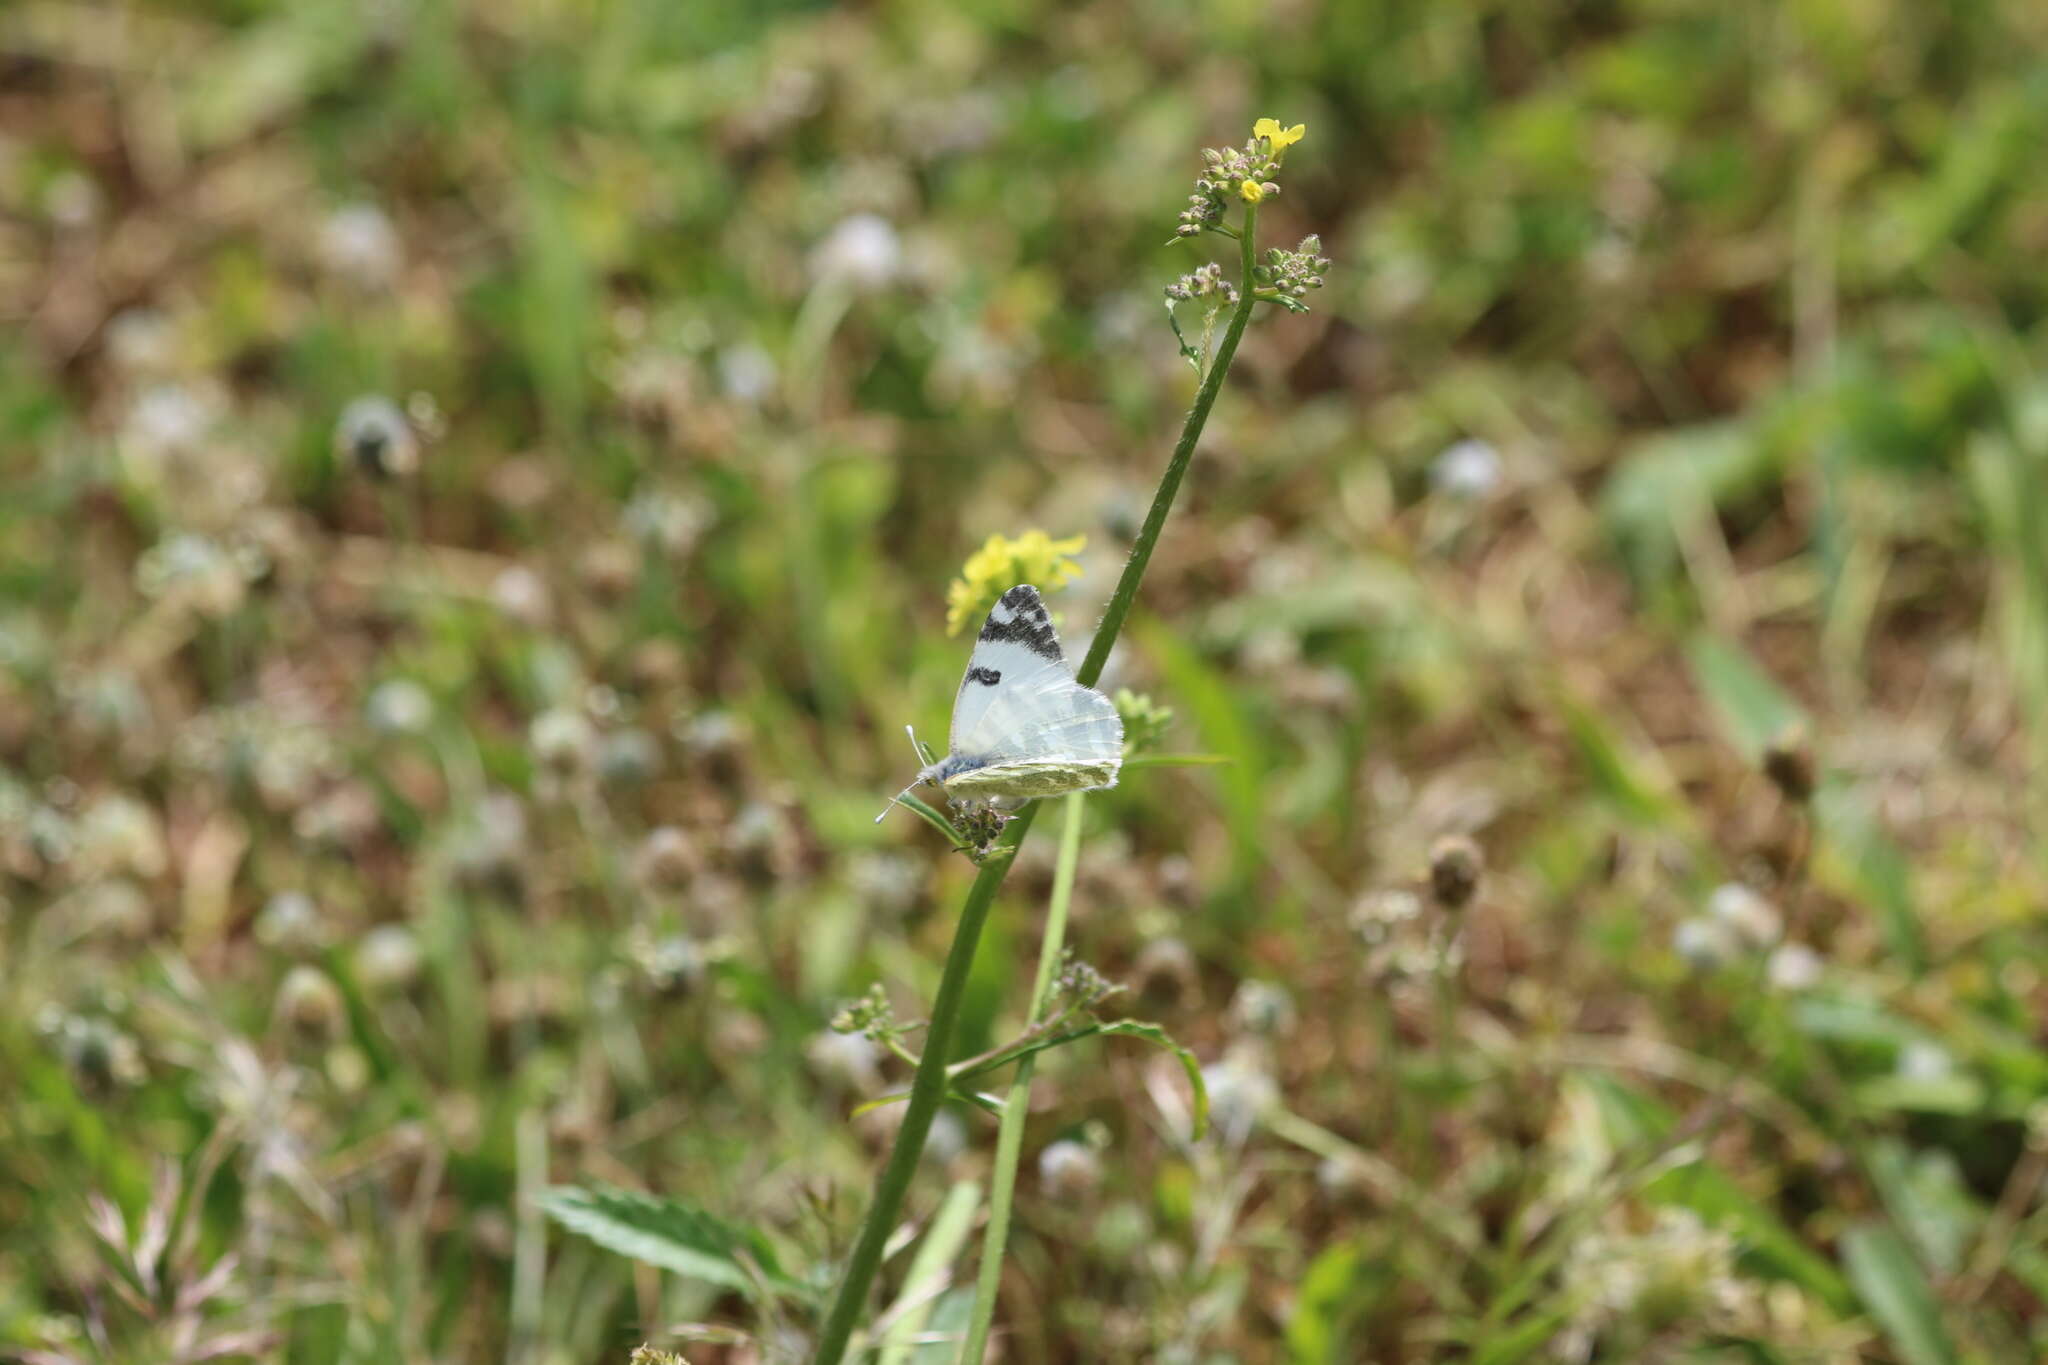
x=1176 y=469
x=1447 y=995
x=1010 y=1138
x=927 y=1089
x=928 y=1085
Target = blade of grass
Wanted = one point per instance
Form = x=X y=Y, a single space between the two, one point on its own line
x=928 y=1279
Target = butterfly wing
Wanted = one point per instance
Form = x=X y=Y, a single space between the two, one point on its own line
x=1019 y=703
x=1016 y=655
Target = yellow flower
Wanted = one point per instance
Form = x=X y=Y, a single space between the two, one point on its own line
x=1251 y=191
x=1001 y=564
x=1281 y=138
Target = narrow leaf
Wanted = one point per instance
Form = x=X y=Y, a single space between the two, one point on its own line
x=669 y=1234
x=1893 y=1288
x=929 y=1272
x=1750 y=705
x=931 y=816
x=1861 y=859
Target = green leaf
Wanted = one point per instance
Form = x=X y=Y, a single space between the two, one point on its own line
x=1629 y=781
x=1925 y=1193
x=1859 y=858
x=980 y=1099
x=1677 y=476
x=943 y=1239
x=1327 y=1305
x=1751 y=707
x=930 y=815
x=1174 y=761
x=1158 y=1037
x=268 y=70
x=671 y=1235
x=1215 y=704
x=1955 y=1093
x=1632 y=1119
x=1859 y=1021
x=1895 y=1291
x=1524 y=1338
x=1772 y=1246
x=940 y=1342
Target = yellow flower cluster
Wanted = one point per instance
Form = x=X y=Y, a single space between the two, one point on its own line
x=1001 y=564
x=1237 y=172
x=1278 y=140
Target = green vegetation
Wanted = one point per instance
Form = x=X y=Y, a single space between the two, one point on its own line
x=482 y=487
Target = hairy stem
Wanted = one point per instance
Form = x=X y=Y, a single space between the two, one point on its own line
x=928 y=1086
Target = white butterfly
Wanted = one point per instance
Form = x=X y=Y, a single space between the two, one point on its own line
x=1022 y=726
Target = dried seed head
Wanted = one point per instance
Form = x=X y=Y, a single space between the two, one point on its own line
x=1788 y=762
x=1455 y=867
x=374 y=435
x=667 y=859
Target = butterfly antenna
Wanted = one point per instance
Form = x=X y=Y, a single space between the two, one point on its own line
x=895 y=801
x=924 y=761
x=924 y=753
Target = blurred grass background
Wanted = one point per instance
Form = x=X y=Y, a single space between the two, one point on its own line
x=1655 y=497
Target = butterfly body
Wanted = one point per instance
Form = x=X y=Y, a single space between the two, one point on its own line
x=1023 y=727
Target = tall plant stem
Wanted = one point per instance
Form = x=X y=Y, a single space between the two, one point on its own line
x=1010 y=1138
x=928 y=1085
x=1176 y=468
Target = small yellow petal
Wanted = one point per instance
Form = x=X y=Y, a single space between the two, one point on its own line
x=1279 y=138
x=1251 y=191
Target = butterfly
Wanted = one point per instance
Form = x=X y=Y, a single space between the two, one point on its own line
x=1022 y=725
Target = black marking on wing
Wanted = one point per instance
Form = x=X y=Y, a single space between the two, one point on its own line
x=987 y=677
x=1020 y=618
